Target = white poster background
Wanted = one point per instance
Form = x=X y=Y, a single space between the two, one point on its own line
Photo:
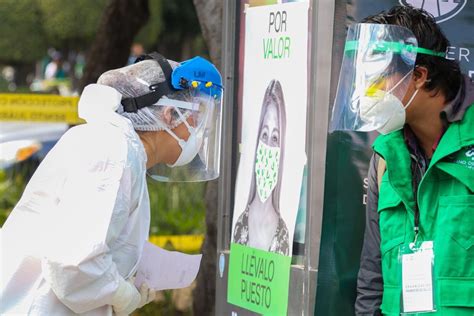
x=291 y=72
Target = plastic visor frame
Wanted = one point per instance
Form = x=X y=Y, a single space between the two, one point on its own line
x=197 y=73
x=205 y=87
x=177 y=103
x=395 y=47
x=205 y=165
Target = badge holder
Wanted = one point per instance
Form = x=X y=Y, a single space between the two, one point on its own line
x=416 y=262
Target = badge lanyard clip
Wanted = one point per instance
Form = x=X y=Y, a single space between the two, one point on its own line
x=415 y=239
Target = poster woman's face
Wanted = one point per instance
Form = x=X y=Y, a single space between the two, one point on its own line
x=270 y=133
x=267 y=156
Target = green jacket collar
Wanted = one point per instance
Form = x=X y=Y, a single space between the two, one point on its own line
x=459 y=134
x=393 y=149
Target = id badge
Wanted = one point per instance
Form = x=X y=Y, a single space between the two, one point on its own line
x=417 y=266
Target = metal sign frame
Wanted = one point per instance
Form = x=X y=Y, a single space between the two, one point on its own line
x=303 y=275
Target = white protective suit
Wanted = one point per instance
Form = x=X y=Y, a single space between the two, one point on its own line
x=80 y=226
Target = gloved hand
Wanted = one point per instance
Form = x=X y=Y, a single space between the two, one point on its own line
x=128 y=298
x=147 y=295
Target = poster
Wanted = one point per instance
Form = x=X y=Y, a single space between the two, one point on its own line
x=272 y=158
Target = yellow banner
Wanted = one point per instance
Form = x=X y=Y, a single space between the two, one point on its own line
x=184 y=243
x=39 y=108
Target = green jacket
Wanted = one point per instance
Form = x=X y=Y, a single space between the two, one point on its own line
x=446 y=205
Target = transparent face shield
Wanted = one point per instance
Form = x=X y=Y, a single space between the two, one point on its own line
x=375 y=74
x=199 y=110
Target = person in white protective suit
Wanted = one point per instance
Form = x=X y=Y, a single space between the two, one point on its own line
x=73 y=242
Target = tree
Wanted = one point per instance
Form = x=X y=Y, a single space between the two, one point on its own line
x=23 y=38
x=71 y=24
x=150 y=33
x=70 y=27
x=172 y=31
x=209 y=13
x=121 y=21
x=210 y=17
x=181 y=36
x=22 y=41
x=30 y=27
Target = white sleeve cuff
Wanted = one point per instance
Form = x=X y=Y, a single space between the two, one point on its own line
x=126 y=299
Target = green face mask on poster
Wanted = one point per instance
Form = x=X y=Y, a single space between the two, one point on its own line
x=266 y=169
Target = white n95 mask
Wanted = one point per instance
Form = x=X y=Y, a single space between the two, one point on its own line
x=267 y=162
x=190 y=147
x=385 y=110
x=375 y=55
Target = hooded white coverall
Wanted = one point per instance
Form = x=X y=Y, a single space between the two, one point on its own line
x=80 y=226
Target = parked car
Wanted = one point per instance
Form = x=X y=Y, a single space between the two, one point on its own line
x=23 y=145
x=22 y=141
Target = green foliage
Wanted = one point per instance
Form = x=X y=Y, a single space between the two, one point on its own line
x=173 y=29
x=22 y=37
x=11 y=188
x=3 y=85
x=180 y=18
x=71 y=23
x=30 y=27
x=149 y=34
x=162 y=308
x=177 y=208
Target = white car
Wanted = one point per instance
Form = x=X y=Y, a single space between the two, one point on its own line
x=22 y=147
x=20 y=141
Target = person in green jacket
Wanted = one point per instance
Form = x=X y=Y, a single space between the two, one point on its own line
x=418 y=252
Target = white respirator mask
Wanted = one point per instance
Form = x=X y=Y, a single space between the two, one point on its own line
x=369 y=92
x=190 y=147
x=386 y=109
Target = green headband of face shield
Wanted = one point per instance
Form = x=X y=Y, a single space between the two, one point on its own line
x=395 y=47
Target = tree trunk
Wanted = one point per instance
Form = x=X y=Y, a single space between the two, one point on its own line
x=121 y=21
x=209 y=13
x=204 y=294
x=23 y=72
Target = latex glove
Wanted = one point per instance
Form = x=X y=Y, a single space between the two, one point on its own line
x=147 y=295
x=126 y=299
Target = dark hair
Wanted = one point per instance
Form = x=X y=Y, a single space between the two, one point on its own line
x=444 y=74
x=273 y=95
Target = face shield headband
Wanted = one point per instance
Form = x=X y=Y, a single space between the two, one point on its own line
x=394 y=47
x=196 y=73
